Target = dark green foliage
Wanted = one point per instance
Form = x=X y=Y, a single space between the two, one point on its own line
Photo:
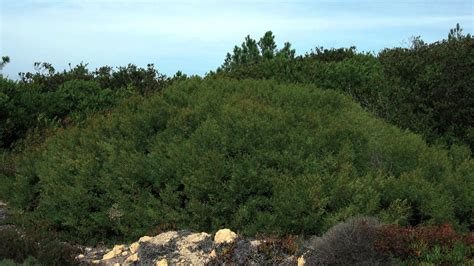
x=254 y=156
x=267 y=45
x=431 y=87
x=34 y=247
x=252 y=54
x=5 y=60
x=426 y=88
x=49 y=99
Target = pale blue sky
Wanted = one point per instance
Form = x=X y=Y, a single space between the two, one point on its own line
x=194 y=36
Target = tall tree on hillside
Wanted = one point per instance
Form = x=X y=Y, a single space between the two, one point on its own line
x=286 y=52
x=456 y=33
x=250 y=51
x=267 y=45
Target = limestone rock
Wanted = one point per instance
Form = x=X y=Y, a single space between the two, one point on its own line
x=109 y=255
x=255 y=243
x=144 y=239
x=195 y=248
x=114 y=252
x=301 y=261
x=225 y=236
x=157 y=247
x=187 y=248
x=163 y=239
x=178 y=247
x=162 y=262
x=132 y=258
x=212 y=254
x=134 y=247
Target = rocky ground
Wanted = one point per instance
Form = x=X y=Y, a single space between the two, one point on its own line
x=186 y=248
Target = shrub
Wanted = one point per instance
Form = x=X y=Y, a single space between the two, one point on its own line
x=432 y=244
x=425 y=88
x=348 y=243
x=50 y=99
x=256 y=156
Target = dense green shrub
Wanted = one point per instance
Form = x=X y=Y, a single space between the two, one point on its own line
x=426 y=88
x=431 y=88
x=49 y=99
x=254 y=156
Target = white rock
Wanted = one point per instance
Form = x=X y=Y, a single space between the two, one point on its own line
x=144 y=239
x=80 y=256
x=132 y=258
x=255 y=243
x=195 y=238
x=163 y=238
x=119 y=247
x=109 y=255
x=134 y=247
x=225 y=236
x=162 y=262
x=187 y=248
x=212 y=254
x=114 y=252
x=301 y=261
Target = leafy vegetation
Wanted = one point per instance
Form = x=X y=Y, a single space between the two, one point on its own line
x=269 y=143
x=252 y=155
x=438 y=245
x=426 y=88
x=365 y=241
x=49 y=99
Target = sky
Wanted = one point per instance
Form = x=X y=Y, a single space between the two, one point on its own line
x=194 y=35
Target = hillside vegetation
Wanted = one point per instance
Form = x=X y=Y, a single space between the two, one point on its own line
x=270 y=143
x=252 y=155
x=426 y=88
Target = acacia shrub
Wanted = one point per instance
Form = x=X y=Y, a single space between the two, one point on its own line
x=255 y=156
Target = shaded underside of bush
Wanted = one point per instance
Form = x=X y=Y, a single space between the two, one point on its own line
x=34 y=247
x=254 y=156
